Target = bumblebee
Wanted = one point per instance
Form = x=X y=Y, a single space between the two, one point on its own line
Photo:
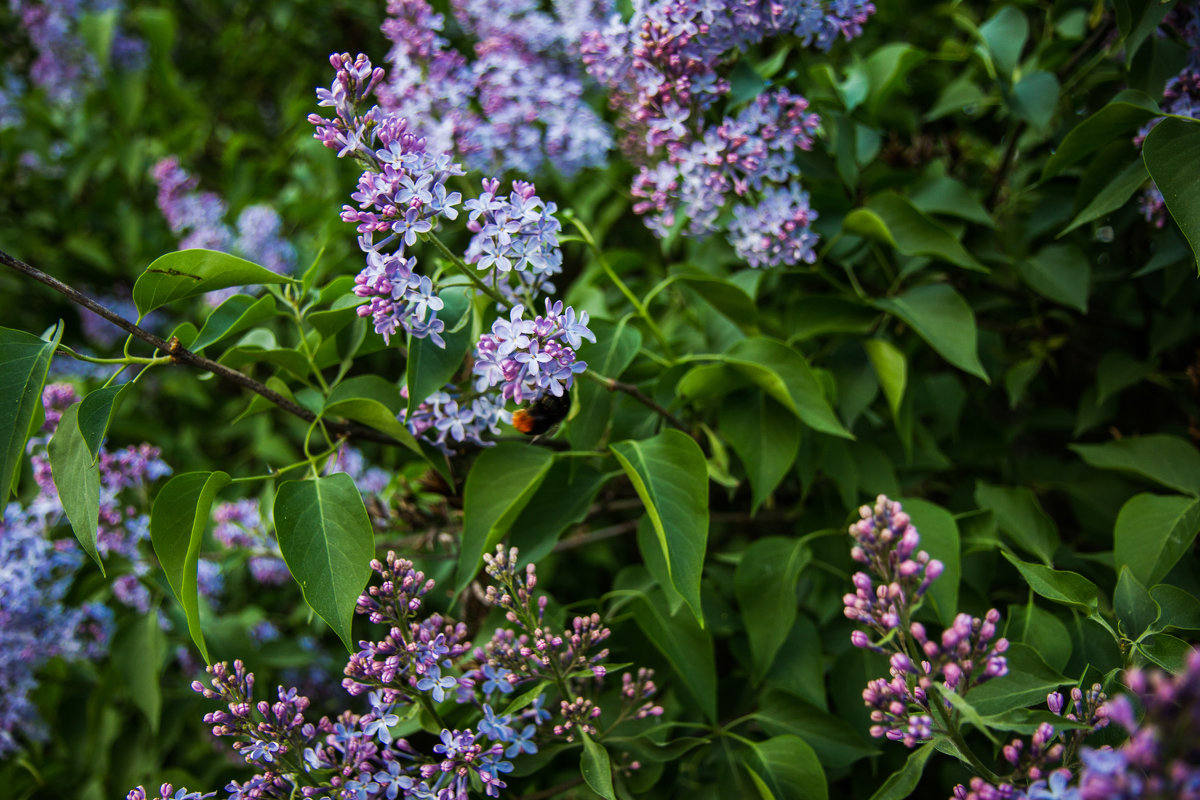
x=542 y=414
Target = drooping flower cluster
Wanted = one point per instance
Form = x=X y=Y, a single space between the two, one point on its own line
x=199 y=217
x=422 y=660
x=516 y=240
x=1181 y=95
x=62 y=65
x=517 y=104
x=36 y=623
x=665 y=67
x=531 y=358
x=966 y=655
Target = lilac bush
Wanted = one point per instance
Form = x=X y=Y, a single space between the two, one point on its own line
x=425 y=660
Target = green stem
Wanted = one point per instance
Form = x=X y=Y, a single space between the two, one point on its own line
x=465 y=269
x=643 y=312
x=126 y=361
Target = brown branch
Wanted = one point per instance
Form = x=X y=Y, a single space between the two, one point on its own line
x=181 y=355
x=614 y=385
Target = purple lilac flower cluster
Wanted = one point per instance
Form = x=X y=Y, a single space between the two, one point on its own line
x=63 y=66
x=36 y=624
x=401 y=195
x=125 y=476
x=447 y=416
x=532 y=358
x=200 y=218
x=518 y=104
x=664 y=67
x=966 y=655
x=1032 y=767
x=1181 y=96
x=358 y=756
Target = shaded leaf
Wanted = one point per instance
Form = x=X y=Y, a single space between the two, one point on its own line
x=429 y=367
x=238 y=313
x=1069 y=588
x=895 y=221
x=327 y=541
x=596 y=768
x=765 y=585
x=1172 y=155
x=1136 y=609
x=24 y=362
x=96 y=413
x=943 y=319
x=1166 y=460
x=77 y=478
x=1021 y=517
x=177 y=522
x=500 y=484
x=764 y=435
x=1153 y=532
x=788 y=768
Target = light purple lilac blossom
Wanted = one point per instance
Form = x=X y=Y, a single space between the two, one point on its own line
x=199 y=217
x=448 y=417
x=36 y=624
x=517 y=103
x=530 y=358
x=666 y=67
x=420 y=658
x=63 y=66
x=966 y=655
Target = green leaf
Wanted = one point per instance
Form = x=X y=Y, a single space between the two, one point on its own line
x=617 y=344
x=1166 y=460
x=77 y=478
x=784 y=373
x=891 y=367
x=895 y=221
x=1005 y=34
x=1035 y=626
x=137 y=654
x=562 y=500
x=1035 y=98
x=24 y=361
x=373 y=401
x=1153 y=532
x=943 y=319
x=1028 y=681
x=945 y=195
x=596 y=768
x=1060 y=272
x=1069 y=588
x=327 y=542
x=726 y=297
x=501 y=482
x=1124 y=114
x=765 y=436
x=430 y=367
x=1021 y=517
x=810 y=317
x=1169 y=652
x=1118 y=370
x=96 y=413
x=685 y=645
x=1114 y=195
x=834 y=740
x=177 y=522
x=765 y=585
x=1136 y=609
x=669 y=474
x=901 y=783
x=187 y=273
x=1018 y=377
x=940 y=538
x=1172 y=155
x=1179 y=608
x=787 y=769
x=886 y=69
x=238 y=313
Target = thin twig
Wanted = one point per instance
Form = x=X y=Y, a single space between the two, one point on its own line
x=181 y=355
x=614 y=385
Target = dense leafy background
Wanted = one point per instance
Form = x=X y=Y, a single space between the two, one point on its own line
x=992 y=333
